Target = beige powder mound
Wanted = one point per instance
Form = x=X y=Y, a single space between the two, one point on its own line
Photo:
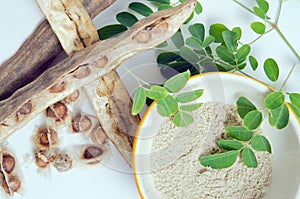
x=179 y=175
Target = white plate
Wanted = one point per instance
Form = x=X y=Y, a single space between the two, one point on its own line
x=226 y=88
x=17 y=21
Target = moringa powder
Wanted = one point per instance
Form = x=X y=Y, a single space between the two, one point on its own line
x=177 y=172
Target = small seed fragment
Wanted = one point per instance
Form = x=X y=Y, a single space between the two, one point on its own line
x=12 y=185
x=63 y=162
x=72 y=97
x=58 y=87
x=8 y=163
x=143 y=36
x=82 y=72
x=81 y=123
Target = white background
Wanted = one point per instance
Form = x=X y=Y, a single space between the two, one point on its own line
x=18 y=18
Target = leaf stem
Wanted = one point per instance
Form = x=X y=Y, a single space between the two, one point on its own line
x=139 y=80
x=287 y=78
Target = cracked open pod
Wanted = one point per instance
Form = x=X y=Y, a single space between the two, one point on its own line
x=166 y=158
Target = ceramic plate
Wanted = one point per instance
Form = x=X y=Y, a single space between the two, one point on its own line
x=227 y=88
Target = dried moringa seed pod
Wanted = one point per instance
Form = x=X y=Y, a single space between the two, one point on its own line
x=8 y=162
x=11 y=185
x=63 y=162
x=43 y=158
x=46 y=137
x=81 y=123
x=59 y=111
x=93 y=154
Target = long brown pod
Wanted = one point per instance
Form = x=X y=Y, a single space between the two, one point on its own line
x=37 y=53
x=94 y=61
x=112 y=105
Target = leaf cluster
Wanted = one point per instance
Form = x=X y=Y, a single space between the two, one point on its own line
x=170 y=102
x=137 y=9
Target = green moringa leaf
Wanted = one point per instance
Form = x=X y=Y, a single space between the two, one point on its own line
x=239 y=133
x=197 y=30
x=110 y=31
x=163 y=7
x=220 y=161
x=177 y=39
x=127 y=19
x=190 y=18
x=274 y=100
x=243 y=52
x=261 y=143
x=177 y=82
x=190 y=107
x=189 y=96
x=189 y=55
x=182 y=119
x=249 y=158
x=194 y=43
x=271 y=69
x=161 y=1
x=167 y=106
x=253 y=119
x=208 y=40
x=156 y=92
x=167 y=57
x=230 y=39
x=295 y=109
x=238 y=32
x=258 y=27
x=295 y=99
x=139 y=100
x=198 y=8
x=259 y=12
x=225 y=54
x=140 y=8
x=279 y=118
x=230 y=144
x=244 y=106
x=263 y=5
x=216 y=31
x=253 y=62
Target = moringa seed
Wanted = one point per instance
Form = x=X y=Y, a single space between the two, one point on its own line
x=82 y=72
x=100 y=63
x=98 y=135
x=43 y=158
x=63 y=162
x=58 y=87
x=92 y=152
x=81 y=123
x=72 y=97
x=12 y=185
x=8 y=162
x=59 y=111
x=46 y=137
x=142 y=37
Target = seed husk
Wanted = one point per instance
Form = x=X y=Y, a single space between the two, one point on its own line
x=8 y=163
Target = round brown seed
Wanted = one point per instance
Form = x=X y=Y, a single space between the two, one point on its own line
x=8 y=163
x=43 y=158
x=63 y=162
x=58 y=110
x=143 y=36
x=12 y=185
x=82 y=72
x=81 y=123
x=92 y=152
x=98 y=136
x=72 y=97
x=58 y=87
x=100 y=63
x=45 y=137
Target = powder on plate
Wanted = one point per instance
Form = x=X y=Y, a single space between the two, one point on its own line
x=177 y=172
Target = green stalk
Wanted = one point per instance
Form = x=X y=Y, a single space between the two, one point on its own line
x=287 y=78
